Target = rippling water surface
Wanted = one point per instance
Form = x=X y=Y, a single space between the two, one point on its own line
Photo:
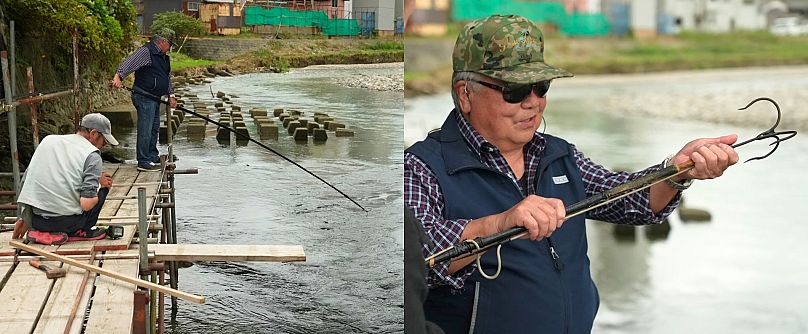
x=352 y=279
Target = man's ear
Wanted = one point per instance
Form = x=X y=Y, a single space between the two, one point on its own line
x=463 y=96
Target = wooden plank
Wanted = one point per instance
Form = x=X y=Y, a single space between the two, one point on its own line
x=129 y=207
x=267 y=253
x=57 y=310
x=22 y=297
x=113 y=301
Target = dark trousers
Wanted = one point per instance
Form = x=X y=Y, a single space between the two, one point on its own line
x=70 y=224
x=148 y=128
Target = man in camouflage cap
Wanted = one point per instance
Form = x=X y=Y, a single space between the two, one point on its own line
x=487 y=170
x=152 y=67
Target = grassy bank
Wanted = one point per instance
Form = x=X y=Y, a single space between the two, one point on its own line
x=181 y=62
x=280 y=55
x=687 y=51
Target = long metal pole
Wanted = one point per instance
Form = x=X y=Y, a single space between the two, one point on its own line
x=34 y=107
x=76 y=117
x=142 y=231
x=172 y=236
x=12 y=125
x=12 y=49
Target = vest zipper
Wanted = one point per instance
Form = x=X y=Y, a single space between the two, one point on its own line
x=557 y=263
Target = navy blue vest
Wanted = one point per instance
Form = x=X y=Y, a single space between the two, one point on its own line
x=533 y=294
x=154 y=78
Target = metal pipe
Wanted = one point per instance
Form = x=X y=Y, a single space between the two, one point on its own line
x=23 y=258
x=40 y=98
x=12 y=127
x=115 y=198
x=8 y=193
x=139 y=317
x=8 y=206
x=143 y=239
x=173 y=239
x=13 y=56
x=185 y=171
x=34 y=107
x=164 y=205
x=76 y=117
x=153 y=305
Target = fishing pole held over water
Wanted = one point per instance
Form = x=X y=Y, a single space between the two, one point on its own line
x=477 y=246
x=245 y=137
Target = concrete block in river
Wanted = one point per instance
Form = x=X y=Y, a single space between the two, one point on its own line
x=258 y=112
x=257 y=119
x=345 y=133
x=195 y=131
x=180 y=114
x=301 y=134
x=235 y=108
x=295 y=112
x=320 y=135
x=221 y=109
x=658 y=231
x=175 y=124
x=268 y=131
x=323 y=119
x=242 y=130
x=694 y=215
x=226 y=99
x=223 y=134
x=219 y=104
x=175 y=118
x=624 y=232
x=312 y=126
x=283 y=116
x=303 y=122
x=320 y=113
x=163 y=135
x=333 y=126
x=292 y=126
x=220 y=94
x=277 y=112
x=288 y=120
x=239 y=123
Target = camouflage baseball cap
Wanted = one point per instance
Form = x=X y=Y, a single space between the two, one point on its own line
x=166 y=33
x=505 y=47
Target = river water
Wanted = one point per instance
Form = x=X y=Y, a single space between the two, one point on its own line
x=745 y=271
x=352 y=278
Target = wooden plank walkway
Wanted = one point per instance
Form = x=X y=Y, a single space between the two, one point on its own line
x=26 y=291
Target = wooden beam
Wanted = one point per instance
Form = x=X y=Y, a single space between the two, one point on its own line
x=267 y=253
x=109 y=273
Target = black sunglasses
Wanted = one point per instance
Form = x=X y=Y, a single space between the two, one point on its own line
x=515 y=93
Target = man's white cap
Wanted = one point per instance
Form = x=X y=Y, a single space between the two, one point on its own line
x=101 y=124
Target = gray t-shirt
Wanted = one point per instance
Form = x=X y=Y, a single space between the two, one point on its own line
x=89 y=184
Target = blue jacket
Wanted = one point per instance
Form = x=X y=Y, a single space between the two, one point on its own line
x=155 y=77
x=534 y=293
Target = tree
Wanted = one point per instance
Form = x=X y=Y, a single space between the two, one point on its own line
x=183 y=25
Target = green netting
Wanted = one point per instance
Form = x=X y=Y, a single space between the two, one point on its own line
x=539 y=12
x=300 y=18
x=585 y=25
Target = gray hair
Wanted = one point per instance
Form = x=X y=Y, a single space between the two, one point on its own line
x=158 y=38
x=469 y=78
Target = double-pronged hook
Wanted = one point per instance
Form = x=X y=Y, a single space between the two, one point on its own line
x=770 y=133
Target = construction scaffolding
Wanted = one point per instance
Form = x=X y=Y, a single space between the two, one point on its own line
x=267 y=20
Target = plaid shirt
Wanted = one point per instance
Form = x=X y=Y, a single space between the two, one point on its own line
x=423 y=194
x=135 y=61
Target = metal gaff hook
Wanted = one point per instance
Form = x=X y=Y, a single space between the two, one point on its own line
x=770 y=133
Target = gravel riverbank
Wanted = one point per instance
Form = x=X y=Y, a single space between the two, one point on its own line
x=393 y=81
x=694 y=95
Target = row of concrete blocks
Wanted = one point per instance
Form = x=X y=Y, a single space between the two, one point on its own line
x=177 y=117
x=293 y=120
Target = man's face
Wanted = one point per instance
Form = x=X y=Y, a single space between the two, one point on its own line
x=506 y=125
x=164 y=45
x=97 y=139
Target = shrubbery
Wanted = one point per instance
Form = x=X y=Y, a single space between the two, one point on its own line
x=183 y=25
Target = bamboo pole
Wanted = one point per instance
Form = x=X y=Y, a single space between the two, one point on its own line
x=141 y=283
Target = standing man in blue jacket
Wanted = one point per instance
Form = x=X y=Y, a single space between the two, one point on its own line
x=487 y=170
x=152 y=68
